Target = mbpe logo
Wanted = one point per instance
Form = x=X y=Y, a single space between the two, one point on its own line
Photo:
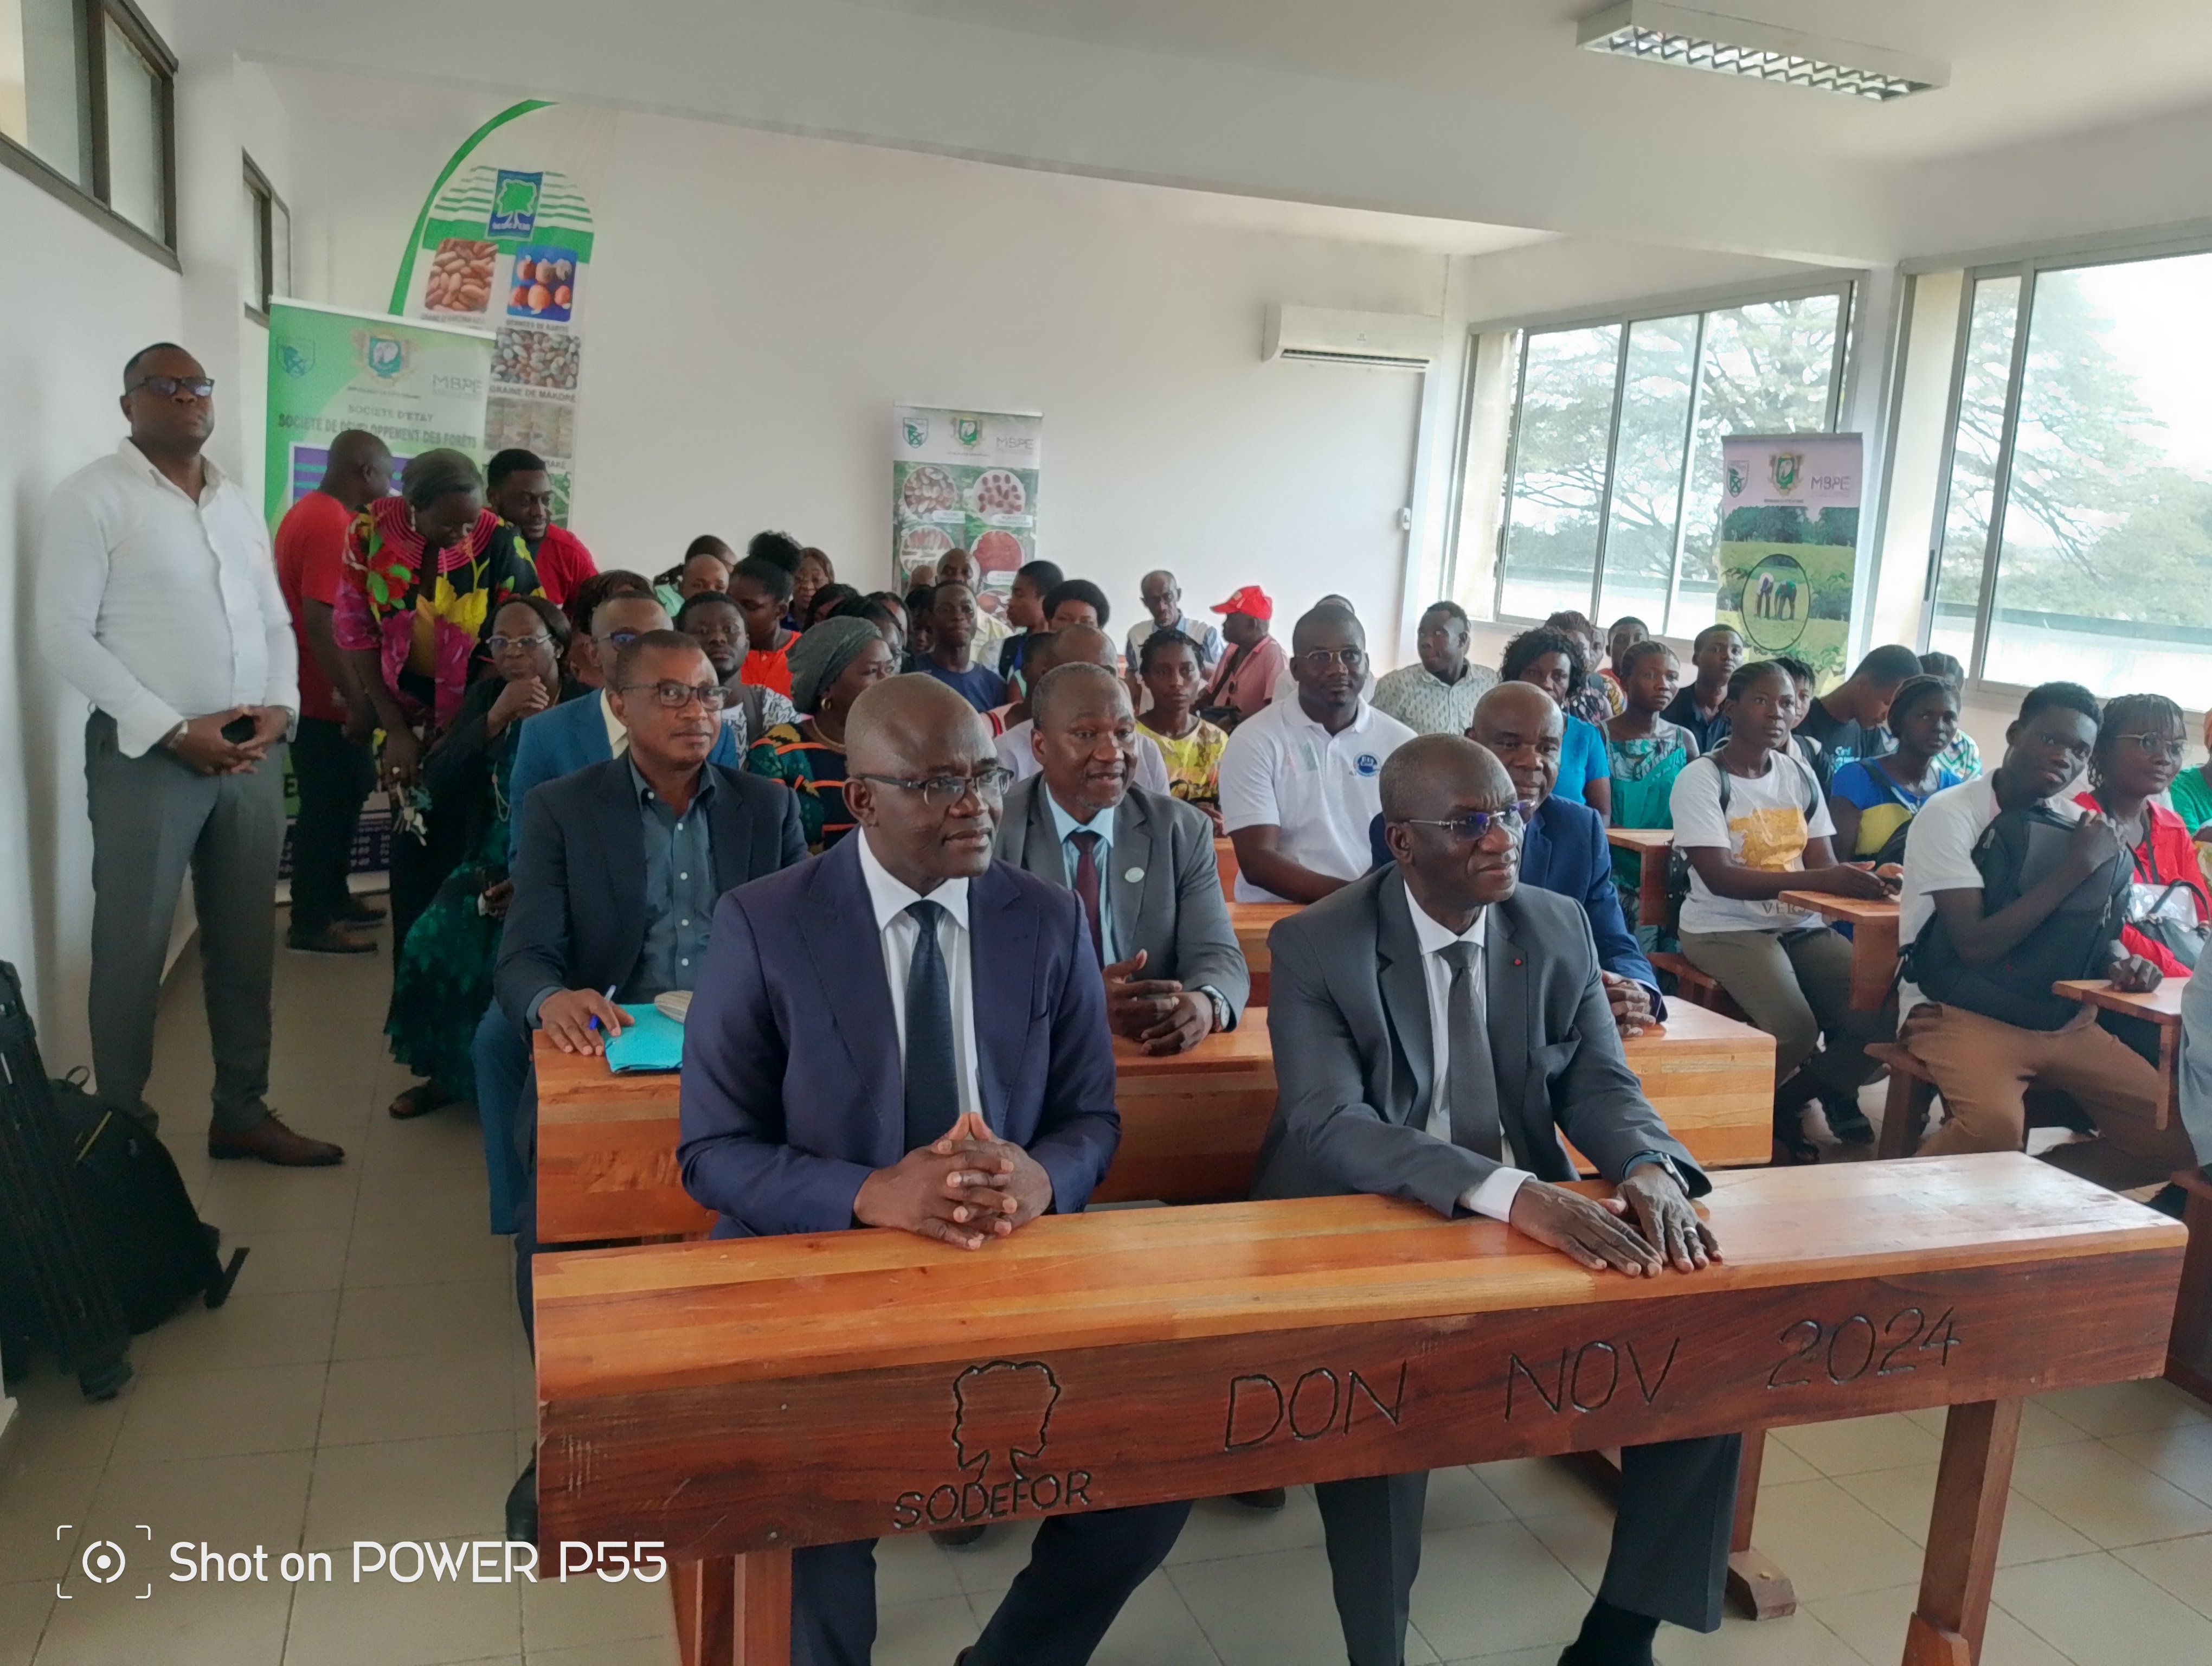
x=1784 y=466
x=1001 y=1424
x=917 y=432
x=1367 y=764
x=513 y=205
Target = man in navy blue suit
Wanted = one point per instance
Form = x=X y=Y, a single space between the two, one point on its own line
x=905 y=1033
x=1563 y=848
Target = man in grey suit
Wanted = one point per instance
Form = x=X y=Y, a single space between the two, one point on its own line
x=1438 y=1030
x=1141 y=863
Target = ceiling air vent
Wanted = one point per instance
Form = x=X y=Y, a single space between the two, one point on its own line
x=1661 y=34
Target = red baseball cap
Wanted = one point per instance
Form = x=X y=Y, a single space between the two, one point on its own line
x=1249 y=599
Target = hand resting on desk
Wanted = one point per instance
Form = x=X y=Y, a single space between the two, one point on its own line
x=965 y=1188
x=1599 y=1233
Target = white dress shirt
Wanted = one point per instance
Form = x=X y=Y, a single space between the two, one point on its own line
x=1018 y=755
x=159 y=608
x=1494 y=1196
x=900 y=931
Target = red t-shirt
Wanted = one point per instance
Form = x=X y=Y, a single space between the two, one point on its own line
x=770 y=668
x=562 y=563
x=311 y=543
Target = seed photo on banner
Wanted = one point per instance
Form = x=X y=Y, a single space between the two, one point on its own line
x=964 y=479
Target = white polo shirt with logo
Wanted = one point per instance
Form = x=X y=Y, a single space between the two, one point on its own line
x=1283 y=770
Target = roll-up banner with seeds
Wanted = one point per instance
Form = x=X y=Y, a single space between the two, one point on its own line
x=504 y=244
x=964 y=479
x=416 y=386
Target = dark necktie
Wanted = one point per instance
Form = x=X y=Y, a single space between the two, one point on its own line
x=1086 y=887
x=932 y=1083
x=1470 y=1085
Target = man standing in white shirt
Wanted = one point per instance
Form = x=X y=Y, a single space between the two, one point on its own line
x=1299 y=779
x=1440 y=1032
x=158 y=599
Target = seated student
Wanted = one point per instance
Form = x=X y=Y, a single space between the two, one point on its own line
x=1299 y=780
x=1805 y=679
x=824 y=602
x=2140 y=745
x=762 y=590
x=1598 y=700
x=581 y=731
x=1644 y=752
x=1436 y=694
x=1872 y=800
x=583 y=659
x=1563 y=846
x=832 y=664
x=1847 y=720
x=1962 y=757
x=1991 y=922
x=1440 y=1033
x=1715 y=654
x=1033 y=581
x=1073 y=644
x=888 y=614
x=950 y=658
x=1141 y=865
x=1553 y=661
x=1623 y=633
x=615 y=874
x=918 y=602
x=701 y=570
x=958 y=1093
x=1169 y=669
x=958 y=567
x=1751 y=820
x=1076 y=602
x=816 y=572
x=712 y=619
x=1244 y=681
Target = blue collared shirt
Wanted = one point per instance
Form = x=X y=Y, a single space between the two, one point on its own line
x=1102 y=824
x=679 y=891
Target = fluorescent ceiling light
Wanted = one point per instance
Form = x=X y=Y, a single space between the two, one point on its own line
x=1692 y=39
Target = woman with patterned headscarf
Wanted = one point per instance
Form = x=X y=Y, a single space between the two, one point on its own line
x=830 y=664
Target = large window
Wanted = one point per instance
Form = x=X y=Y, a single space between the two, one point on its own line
x=1612 y=499
x=85 y=109
x=264 y=267
x=2073 y=532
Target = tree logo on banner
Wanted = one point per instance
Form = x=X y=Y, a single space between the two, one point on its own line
x=515 y=205
x=1784 y=466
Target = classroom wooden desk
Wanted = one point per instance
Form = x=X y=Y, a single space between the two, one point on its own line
x=1191 y=1122
x=1225 y=860
x=748 y=1397
x=1252 y=921
x=2189 y=1350
x=1655 y=847
x=1874 y=940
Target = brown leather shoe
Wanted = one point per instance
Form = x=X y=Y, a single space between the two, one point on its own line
x=272 y=1142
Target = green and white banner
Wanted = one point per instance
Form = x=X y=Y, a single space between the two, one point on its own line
x=965 y=479
x=504 y=242
x=413 y=386
x=1788 y=551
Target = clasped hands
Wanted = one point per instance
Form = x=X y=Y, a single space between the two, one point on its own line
x=1665 y=1231
x=964 y=1188
x=200 y=747
x=1158 y=1012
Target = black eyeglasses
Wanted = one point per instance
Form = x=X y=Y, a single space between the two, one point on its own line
x=1470 y=828
x=167 y=387
x=677 y=696
x=938 y=792
x=500 y=644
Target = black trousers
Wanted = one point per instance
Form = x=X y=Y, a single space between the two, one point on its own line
x=1081 y=1570
x=1670 y=1542
x=335 y=777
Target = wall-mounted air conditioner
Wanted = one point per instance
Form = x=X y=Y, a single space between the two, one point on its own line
x=1322 y=334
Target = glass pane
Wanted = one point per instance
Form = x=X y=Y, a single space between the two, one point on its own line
x=42 y=98
x=1974 y=466
x=1647 y=470
x=280 y=249
x=1765 y=371
x=249 y=248
x=1566 y=406
x=2107 y=540
x=134 y=135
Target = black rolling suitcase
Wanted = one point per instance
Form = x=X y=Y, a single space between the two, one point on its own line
x=99 y=1238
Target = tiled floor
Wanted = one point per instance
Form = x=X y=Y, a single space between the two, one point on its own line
x=368 y=1381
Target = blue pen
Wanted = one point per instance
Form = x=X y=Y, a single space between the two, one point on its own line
x=594 y=1019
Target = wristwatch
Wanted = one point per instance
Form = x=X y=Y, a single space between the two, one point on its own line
x=1223 y=1018
x=1663 y=1161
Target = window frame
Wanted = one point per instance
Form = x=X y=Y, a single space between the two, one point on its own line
x=2027 y=265
x=267 y=205
x=91 y=21
x=1847 y=286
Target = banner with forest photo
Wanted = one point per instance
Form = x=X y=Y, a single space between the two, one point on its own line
x=1789 y=550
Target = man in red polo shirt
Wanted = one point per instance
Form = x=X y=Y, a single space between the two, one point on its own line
x=333 y=766
x=521 y=491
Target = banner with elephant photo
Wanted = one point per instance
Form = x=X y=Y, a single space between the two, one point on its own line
x=1788 y=551
x=964 y=479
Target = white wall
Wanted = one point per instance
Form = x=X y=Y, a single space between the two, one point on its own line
x=759 y=301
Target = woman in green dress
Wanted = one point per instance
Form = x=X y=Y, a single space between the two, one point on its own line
x=1646 y=752
x=830 y=664
x=441 y=980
